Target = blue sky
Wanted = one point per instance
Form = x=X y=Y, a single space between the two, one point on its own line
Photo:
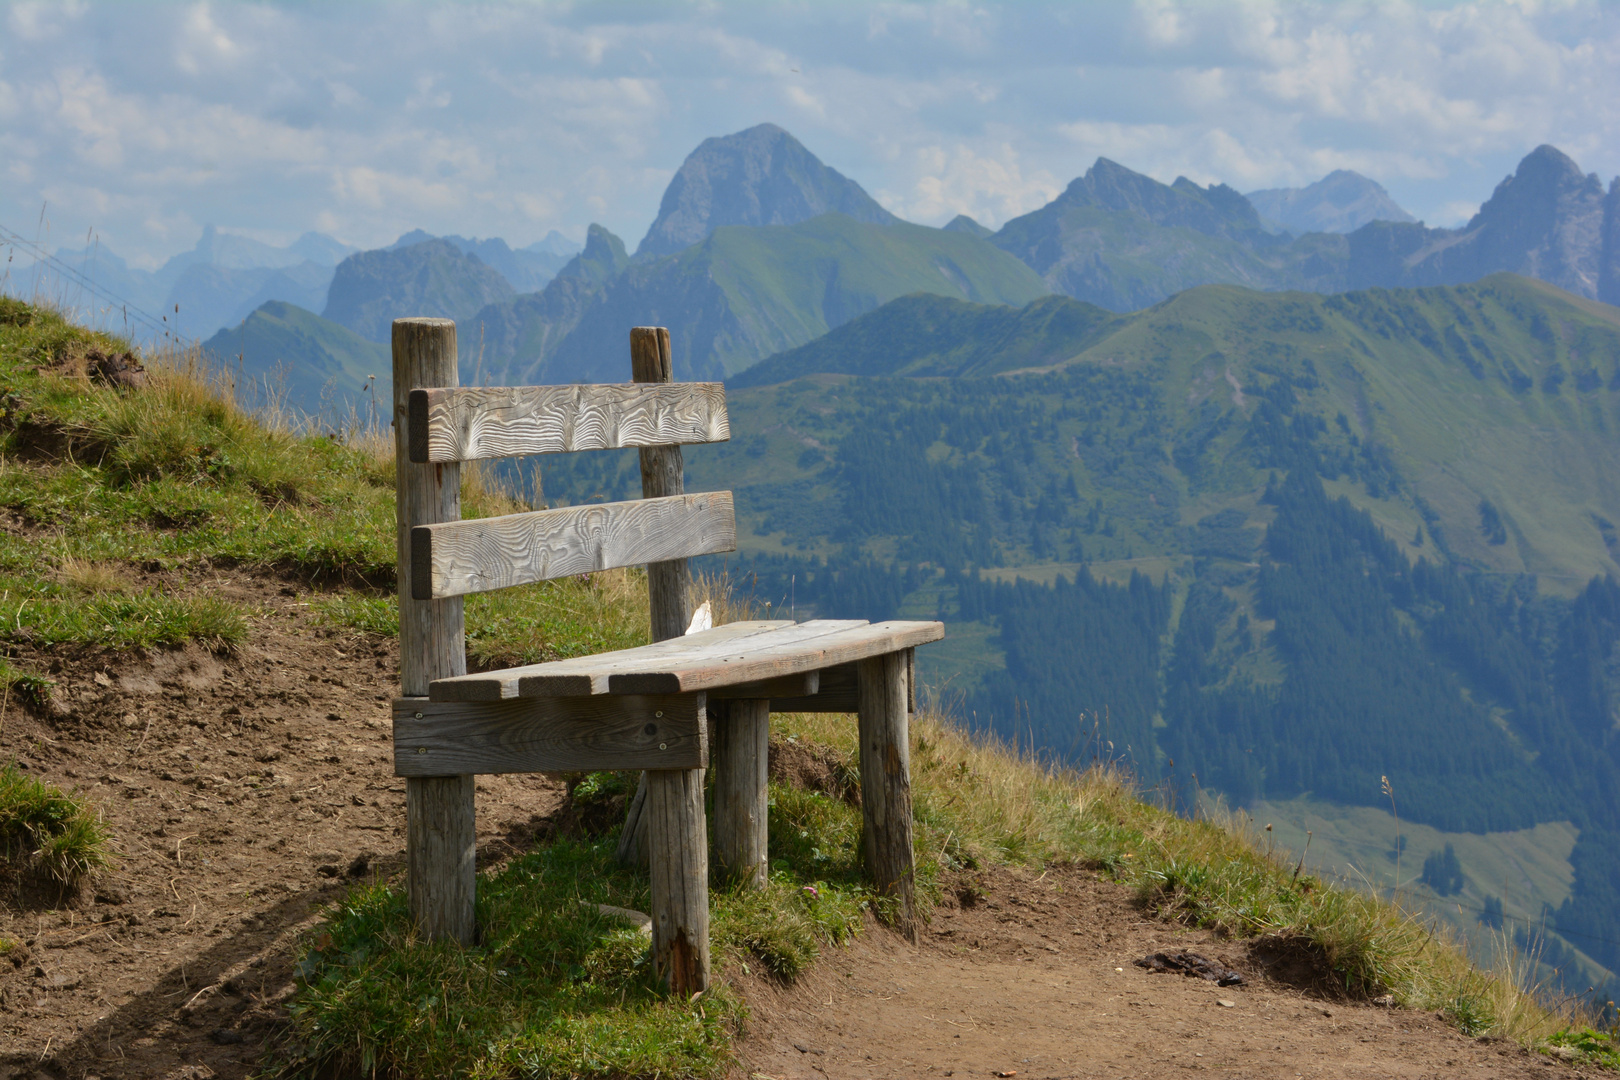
x=144 y=121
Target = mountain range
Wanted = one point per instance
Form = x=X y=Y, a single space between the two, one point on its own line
x=759 y=247
x=1287 y=510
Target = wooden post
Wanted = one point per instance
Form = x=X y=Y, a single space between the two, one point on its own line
x=679 y=858
x=440 y=838
x=662 y=473
x=739 y=745
x=670 y=830
x=884 y=696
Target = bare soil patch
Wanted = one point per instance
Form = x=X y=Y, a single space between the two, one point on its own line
x=1033 y=975
x=245 y=793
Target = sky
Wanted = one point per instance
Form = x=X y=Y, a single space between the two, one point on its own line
x=139 y=123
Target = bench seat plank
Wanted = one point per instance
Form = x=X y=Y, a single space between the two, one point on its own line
x=467 y=423
x=603 y=667
x=460 y=557
x=503 y=684
x=549 y=735
x=761 y=659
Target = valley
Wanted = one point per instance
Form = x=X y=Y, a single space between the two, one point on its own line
x=1289 y=492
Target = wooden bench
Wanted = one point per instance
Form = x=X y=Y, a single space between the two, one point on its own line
x=674 y=708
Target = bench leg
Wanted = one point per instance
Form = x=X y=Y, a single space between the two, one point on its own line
x=884 y=698
x=441 y=843
x=739 y=754
x=678 y=851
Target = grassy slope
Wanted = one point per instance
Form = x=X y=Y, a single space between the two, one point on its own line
x=757 y=291
x=553 y=987
x=1459 y=426
x=319 y=365
x=1541 y=454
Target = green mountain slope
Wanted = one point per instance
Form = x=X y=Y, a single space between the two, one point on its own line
x=1290 y=543
x=746 y=292
x=283 y=352
x=1500 y=391
x=925 y=334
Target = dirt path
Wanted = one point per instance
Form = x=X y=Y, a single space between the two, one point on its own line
x=1036 y=979
x=245 y=794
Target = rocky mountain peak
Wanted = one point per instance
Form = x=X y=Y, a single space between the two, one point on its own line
x=1341 y=202
x=603 y=258
x=1545 y=221
x=761 y=176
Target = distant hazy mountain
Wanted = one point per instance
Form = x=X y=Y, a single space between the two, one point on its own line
x=762 y=176
x=1123 y=241
x=241 y=253
x=211 y=298
x=554 y=243
x=963 y=223
x=525 y=269
x=216 y=284
x=1546 y=221
x=516 y=333
x=1340 y=202
x=284 y=354
x=436 y=278
x=746 y=292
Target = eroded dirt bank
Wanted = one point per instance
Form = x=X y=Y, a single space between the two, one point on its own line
x=244 y=793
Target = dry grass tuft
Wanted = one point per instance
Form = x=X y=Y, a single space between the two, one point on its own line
x=91 y=578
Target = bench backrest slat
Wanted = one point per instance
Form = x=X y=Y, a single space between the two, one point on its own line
x=460 y=557
x=468 y=423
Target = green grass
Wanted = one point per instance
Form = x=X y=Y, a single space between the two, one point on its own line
x=554 y=988
x=177 y=476
x=44 y=831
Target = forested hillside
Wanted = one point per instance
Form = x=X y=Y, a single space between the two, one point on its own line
x=1286 y=544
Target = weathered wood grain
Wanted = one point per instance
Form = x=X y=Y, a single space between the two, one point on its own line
x=468 y=423
x=583 y=670
x=835 y=692
x=886 y=782
x=549 y=735
x=662 y=475
x=678 y=852
x=800 y=685
x=741 y=737
x=440 y=833
x=763 y=660
x=461 y=557
x=602 y=667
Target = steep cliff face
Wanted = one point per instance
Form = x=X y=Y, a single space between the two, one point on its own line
x=762 y=176
x=1609 y=269
x=1547 y=221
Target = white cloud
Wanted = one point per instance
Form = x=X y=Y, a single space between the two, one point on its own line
x=990 y=188
x=511 y=120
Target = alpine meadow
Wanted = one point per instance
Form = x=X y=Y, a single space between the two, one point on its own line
x=1134 y=621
